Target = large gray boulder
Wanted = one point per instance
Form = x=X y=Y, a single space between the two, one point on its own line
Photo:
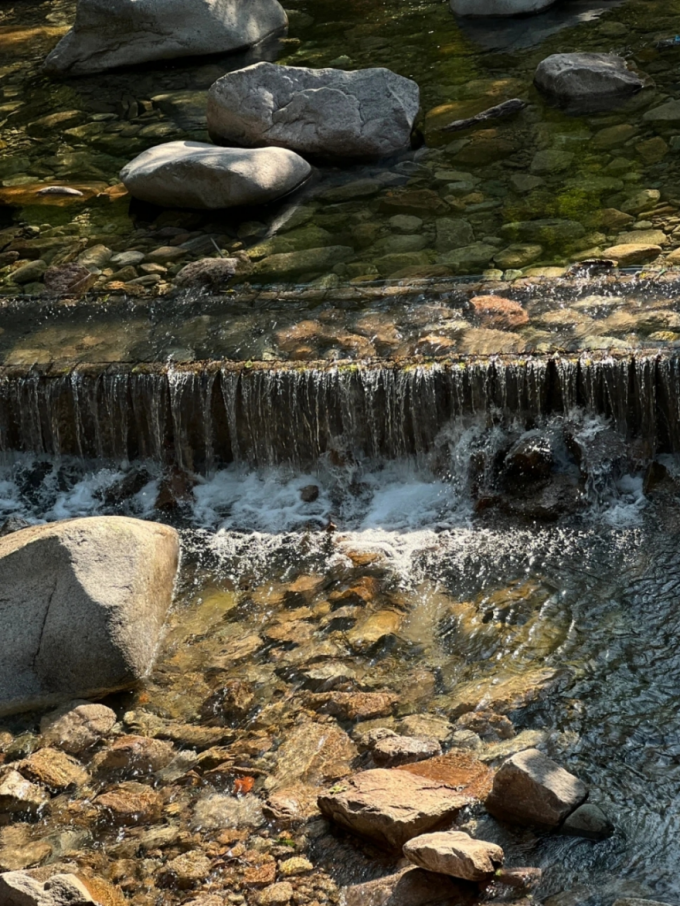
x=587 y=81
x=197 y=175
x=82 y=607
x=530 y=788
x=499 y=7
x=111 y=33
x=325 y=113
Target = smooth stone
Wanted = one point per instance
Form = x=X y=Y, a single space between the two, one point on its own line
x=20 y=796
x=127 y=259
x=390 y=806
x=587 y=81
x=530 y=788
x=456 y=854
x=111 y=574
x=405 y=223
x=643 y=200
x=643 y=237
x=469 y=259
x=551 y=161
x=327 y=113
x=412 y=887
x=668 y=112
x=588 y=821
x=207 y=272
x=517 y=256
x=29 y=273
x=196 y=175
x=395 y=750
x=115 y=33
x=499 y=7
x=287 y=264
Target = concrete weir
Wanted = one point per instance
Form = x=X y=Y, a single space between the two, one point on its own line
x=206 y=414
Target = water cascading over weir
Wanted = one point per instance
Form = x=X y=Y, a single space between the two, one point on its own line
x=206 y=409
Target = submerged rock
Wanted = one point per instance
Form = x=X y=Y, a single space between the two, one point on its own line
x=391 y=806
x=111 y=33
x=395 y=750
x=412 y=887
x=77 y=726
x=588 y=821
x=499 y=7
x=326 y=113
x=96 y=588
x=455 y=853
x=587 y=81
x=532 y=789
x=197 y=175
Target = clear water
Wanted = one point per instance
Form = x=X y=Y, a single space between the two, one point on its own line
x=478 y=177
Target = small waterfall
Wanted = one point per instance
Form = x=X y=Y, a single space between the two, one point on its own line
x=205 y=415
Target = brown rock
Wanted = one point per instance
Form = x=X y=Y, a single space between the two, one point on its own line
x=53 y=769
x=18 y=851
x=459 y=770
x=260 y=875
x=487 y=725
x=377 y=629
x=303 y=590
x=18 y=795
x=629 y=253
x=232 y=700
x=497 y=313
x=309 y=493
x=134 y=755
x=68 y=279
x=130 y=804
x=396 y=750
x=77 y=726
x=530 y=788
x=503 y=695
x=391 y=807
x=185 y=871
x=293 y=633
x=276 y=894
x=412 y=887
x=211 y=272
x=455 y=853
x=359 y=594
x=354 y=705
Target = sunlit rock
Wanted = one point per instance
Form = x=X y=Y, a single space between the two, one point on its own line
x=197 y=175
x=455 y=853
x=325 y=113
x=111 y=33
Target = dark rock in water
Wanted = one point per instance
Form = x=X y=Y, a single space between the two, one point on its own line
x=309 y=493
x=211 y=272
x=127 y=487
x=68 y=279
x=13 y=524
x=545 y=501
x=175 y=489
x=588 y=821
x=530 y=788
x=520 y=879
x=412 y=887
x=507 y=108
x=488 y=725
x=587 y=82
x=530 y=459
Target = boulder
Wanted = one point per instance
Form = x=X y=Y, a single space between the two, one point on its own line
x=499 y=7
x=530 y=788
x=455 y=853
x=391 y=806
x=588 y=821
x=97 y=588
x=111 y=33
x=325 y=113
x=587 y=81
x=197 y=175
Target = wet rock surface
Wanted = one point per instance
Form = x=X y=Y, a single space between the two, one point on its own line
x=455 y=853
x=587 y=81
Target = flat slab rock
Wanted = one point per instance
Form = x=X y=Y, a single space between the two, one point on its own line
x=198 y=175
x=327 y=113
x=97 y=588
x=391 y=806
x=456 y=854
x=587 y=81
x=530 y=788
x=412 y=887
x=111 y=33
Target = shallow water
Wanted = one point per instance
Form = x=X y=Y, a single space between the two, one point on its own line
x=500 y=203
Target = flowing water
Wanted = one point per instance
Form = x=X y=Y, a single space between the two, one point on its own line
x=334 y=455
